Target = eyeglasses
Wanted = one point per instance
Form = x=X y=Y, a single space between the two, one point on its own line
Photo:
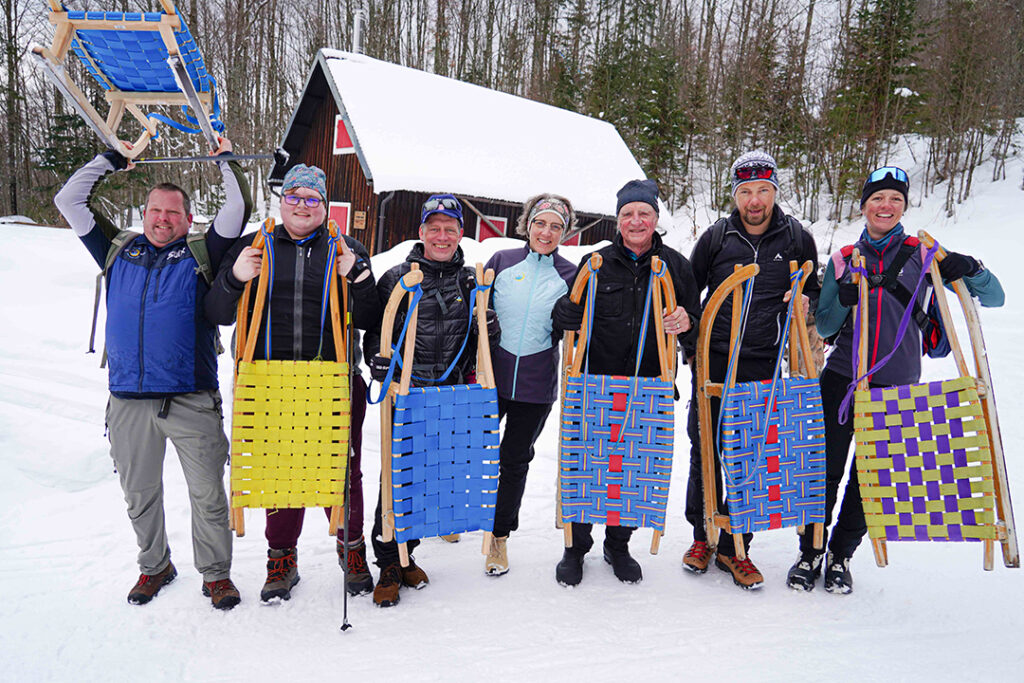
x=449 y=203
x=898 y=174
x=754 y=172
x=294 y=199
x=553 y=225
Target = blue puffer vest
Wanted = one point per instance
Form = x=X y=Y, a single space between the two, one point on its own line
x=158 y=341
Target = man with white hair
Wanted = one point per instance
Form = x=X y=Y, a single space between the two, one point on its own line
x=758 y=232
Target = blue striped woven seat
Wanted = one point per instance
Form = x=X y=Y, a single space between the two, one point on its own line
x=775 y=473
x=444 y=462
x=612 y=473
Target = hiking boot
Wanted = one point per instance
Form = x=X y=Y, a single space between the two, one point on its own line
x=452 y=538
x=386 y=592
x=413 y=576
x=838 y=578
x=222 y=593
x=149 y=585
x=282 y=574
x=805 y=572
x=744 y=573
x=625 y=568
x=569 y=571
x=358 y=579
x=697 y=558
x=497 y=559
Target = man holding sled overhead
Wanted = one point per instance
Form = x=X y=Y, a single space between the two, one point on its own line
x=894 y=262
x=619 y=307
x=301 y=253
x=163 y=363
x=758 y=232
x=443 y=314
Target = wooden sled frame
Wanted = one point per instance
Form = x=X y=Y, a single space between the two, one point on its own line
x=484 y=375
x=247 y=333
x=574 y=350
x=1004 y=523
x=798 y=341
x=53 y=59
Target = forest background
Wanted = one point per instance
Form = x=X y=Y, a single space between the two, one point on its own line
x=827 y=86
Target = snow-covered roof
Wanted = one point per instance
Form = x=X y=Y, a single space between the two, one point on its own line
x=423 y=132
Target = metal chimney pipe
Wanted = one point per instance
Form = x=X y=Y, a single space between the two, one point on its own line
x=358 y=29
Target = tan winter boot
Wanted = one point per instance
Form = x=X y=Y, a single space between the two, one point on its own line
x=497 y=559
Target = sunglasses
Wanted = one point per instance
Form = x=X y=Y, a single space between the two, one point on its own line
x=294 y=200
x=755 y=172
x=898 y=174
x=442 y=203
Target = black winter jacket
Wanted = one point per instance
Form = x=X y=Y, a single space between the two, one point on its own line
x=296 y=300
x=772 y=252
x=442 y=316
x=619 y=308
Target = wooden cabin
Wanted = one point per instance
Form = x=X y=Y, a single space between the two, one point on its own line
x=388 y=137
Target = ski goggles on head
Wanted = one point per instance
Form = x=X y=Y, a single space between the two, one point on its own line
x=757 y=172
x=898 y=174
x=295 y=200
x=437 y=203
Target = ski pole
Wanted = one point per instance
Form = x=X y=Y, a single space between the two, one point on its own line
x=279 y=156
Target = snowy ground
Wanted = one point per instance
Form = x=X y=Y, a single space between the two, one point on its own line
x=67 y=553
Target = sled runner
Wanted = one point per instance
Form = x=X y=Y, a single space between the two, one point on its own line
x=929 y=455
x=439 y=444
x=140 y=60
x=290 y=424
x=616 y=432
x=771 y=433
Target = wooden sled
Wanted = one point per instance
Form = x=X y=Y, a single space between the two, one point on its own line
x=758 y=493
x=439 y=444
x=139 y=60
x=616 y=433
x=930 y=456
x=290 y=435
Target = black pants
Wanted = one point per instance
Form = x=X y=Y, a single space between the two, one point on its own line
x=523 y=425
x=850 y=525
x=386 y=553
x=748 y=370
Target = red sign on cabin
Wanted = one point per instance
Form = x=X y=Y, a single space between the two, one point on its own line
x=485 y=231
x=342 y=140
x=340 y=212
x=573 y=241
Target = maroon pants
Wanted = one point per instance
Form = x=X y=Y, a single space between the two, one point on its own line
x=285 y=524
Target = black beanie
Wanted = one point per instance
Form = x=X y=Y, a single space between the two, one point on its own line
x=638 y=191
x=888 y=182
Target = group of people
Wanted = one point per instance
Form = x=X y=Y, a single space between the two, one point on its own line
x=168 y=289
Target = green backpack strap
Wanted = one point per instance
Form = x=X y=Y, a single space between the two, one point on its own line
x=117 y=245
x=196 y=242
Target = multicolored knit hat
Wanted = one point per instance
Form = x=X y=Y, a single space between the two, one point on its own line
x=550 y=205
x=756 y=165
x=305 y=176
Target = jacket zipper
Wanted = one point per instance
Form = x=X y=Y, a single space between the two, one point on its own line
x=300 y=276
x=534 y=276
x=142 y=326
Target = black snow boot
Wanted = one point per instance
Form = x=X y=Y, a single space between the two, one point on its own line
x=626 y=569
x=838 y=578
x=569 y=571
x=804 y=574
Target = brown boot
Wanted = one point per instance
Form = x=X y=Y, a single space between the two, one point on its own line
x=386 y=592
x=149 y=585
x=282 y=574
x=744 y=573
x=451 y=538
x=413 y=576
x=697 y=558
x=222 y=593
x=359 y=580
x=497 y=559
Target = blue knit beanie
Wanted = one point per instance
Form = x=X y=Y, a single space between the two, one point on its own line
x=305 y=176
x=638 y=191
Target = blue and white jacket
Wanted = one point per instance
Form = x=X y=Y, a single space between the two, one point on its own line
x=159 y=343
x=526 y=287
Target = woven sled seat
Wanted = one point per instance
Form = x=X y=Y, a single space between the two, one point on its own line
x=444 y=462
x=612 y=473
x=134 y=59
x=290 y=431
x=784 y=485
x=924 y=462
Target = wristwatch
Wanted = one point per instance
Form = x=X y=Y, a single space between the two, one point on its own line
x=358 y=268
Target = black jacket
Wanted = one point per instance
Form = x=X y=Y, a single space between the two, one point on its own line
x=619 y=308
x=442 y=317
x=295 y=305
x=772 y=252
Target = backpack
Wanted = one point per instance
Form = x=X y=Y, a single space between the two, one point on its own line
x=934 y=340
x=196 y=242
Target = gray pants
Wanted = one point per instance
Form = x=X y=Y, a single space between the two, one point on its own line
x=138 y=440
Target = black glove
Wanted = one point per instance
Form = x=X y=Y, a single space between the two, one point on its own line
x=379 y=367
x=567 y=315
x=956 y=266
x=493 y=328
x=849 y=293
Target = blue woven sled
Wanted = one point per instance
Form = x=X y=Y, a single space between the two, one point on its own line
x=616 y=439
x=138 y=59
x=439 y=444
